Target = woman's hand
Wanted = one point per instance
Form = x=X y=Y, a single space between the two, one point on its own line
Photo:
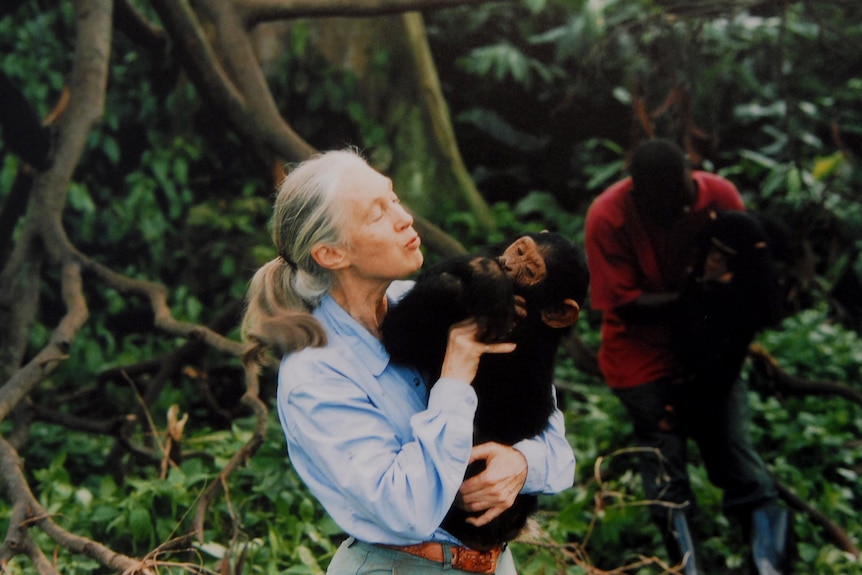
x=493 y=490
x=463 y=351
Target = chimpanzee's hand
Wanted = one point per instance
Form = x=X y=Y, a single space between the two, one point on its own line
x=520 y=306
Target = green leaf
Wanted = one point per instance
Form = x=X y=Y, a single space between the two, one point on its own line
x=501 y=130
x=111 y=149
x=80 y=199
x=141 y=525
x=827 y=166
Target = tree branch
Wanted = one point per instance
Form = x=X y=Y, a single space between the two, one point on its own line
x=783 y=382
x=157 y=294
x=132 y=23
x=834 y=533
x=240 y=62
x=27 y=512
x=214 y=83
x=256 y=11
x=252 y=400
x=435 y=239
x=437 y=111
x=585 y=358
x=23 y=382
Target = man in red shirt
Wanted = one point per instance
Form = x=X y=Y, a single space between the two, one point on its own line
x=642 y=237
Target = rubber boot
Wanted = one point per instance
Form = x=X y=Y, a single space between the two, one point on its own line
x=770 y=534
x=677 y=538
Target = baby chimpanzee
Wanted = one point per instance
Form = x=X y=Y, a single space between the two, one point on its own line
x=529 y=291
x=733 y=293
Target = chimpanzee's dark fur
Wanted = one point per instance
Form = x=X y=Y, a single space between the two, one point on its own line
x=515 y=390
x=715 y=322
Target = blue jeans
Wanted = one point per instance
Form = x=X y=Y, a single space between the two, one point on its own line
x=717 y=420
x=358 y=558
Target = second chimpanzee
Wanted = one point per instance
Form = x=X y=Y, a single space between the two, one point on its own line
x=734 y=292
x=529 y=291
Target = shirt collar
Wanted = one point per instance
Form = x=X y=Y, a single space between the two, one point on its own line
x=349 y=333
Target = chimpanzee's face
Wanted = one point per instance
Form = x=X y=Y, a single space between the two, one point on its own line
x=716 y=267
x=523 y=262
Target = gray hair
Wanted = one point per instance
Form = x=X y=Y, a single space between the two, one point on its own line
x=283 y=291
x=308 y=214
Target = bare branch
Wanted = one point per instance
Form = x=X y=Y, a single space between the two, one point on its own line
x=28 y=512
x=238 y=56
x=239 y=458
x=109 y=426
x=436 y=239
x=135 y=25
x=783 y=382
x=47 y=360
x=213 y=82
x=43 y=230
x=240 y=62
x=157 y=294
x=255 y=11
x=585 y=358
x=438 y=114
x=834 y=533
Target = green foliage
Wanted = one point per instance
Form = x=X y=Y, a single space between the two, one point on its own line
x=504 y=61
x=811 y=344
x=168 y=193
x=605 y=524
x=321 y=102
x=281 y=527
x=154 y=198
x=765 y=85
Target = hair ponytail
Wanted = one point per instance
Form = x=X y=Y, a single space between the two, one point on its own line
x=275 y=319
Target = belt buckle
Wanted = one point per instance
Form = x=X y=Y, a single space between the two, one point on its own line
x=475 y=561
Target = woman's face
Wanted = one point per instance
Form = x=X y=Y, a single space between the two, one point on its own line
x=381 y=241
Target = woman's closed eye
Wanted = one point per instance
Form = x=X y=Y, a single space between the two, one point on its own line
x=375 y=213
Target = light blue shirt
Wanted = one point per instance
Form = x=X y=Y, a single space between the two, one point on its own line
x=384 y=456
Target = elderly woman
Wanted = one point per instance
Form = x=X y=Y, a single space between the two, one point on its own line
x=384 y=452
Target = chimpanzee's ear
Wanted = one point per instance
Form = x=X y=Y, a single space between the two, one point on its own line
x=562 y=315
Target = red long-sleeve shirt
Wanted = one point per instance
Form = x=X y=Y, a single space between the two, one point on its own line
x=628 y=258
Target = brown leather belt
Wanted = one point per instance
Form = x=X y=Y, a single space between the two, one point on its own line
x=463 y=558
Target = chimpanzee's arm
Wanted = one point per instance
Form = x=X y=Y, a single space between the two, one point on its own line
x=416 y=330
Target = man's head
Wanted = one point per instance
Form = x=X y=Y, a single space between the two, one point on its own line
x=663 y=187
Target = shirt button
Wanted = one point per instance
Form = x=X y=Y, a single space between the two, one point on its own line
x=416 y=382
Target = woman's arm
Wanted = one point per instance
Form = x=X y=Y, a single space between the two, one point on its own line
x=544 y=464
x=353 y=455
x=369 y=450
x=550 y=458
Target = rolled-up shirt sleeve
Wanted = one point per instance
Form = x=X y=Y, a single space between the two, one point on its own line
x=382 y=478
x=550 y=458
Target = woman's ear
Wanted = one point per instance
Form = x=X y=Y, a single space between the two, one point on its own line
x=562 y=315
x=329 y=257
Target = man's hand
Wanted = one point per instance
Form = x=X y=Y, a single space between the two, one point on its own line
x=493 y=490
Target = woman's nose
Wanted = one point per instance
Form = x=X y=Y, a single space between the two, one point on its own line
x=405 y=218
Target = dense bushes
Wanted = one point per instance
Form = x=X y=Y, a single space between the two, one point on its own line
x=166 y=192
